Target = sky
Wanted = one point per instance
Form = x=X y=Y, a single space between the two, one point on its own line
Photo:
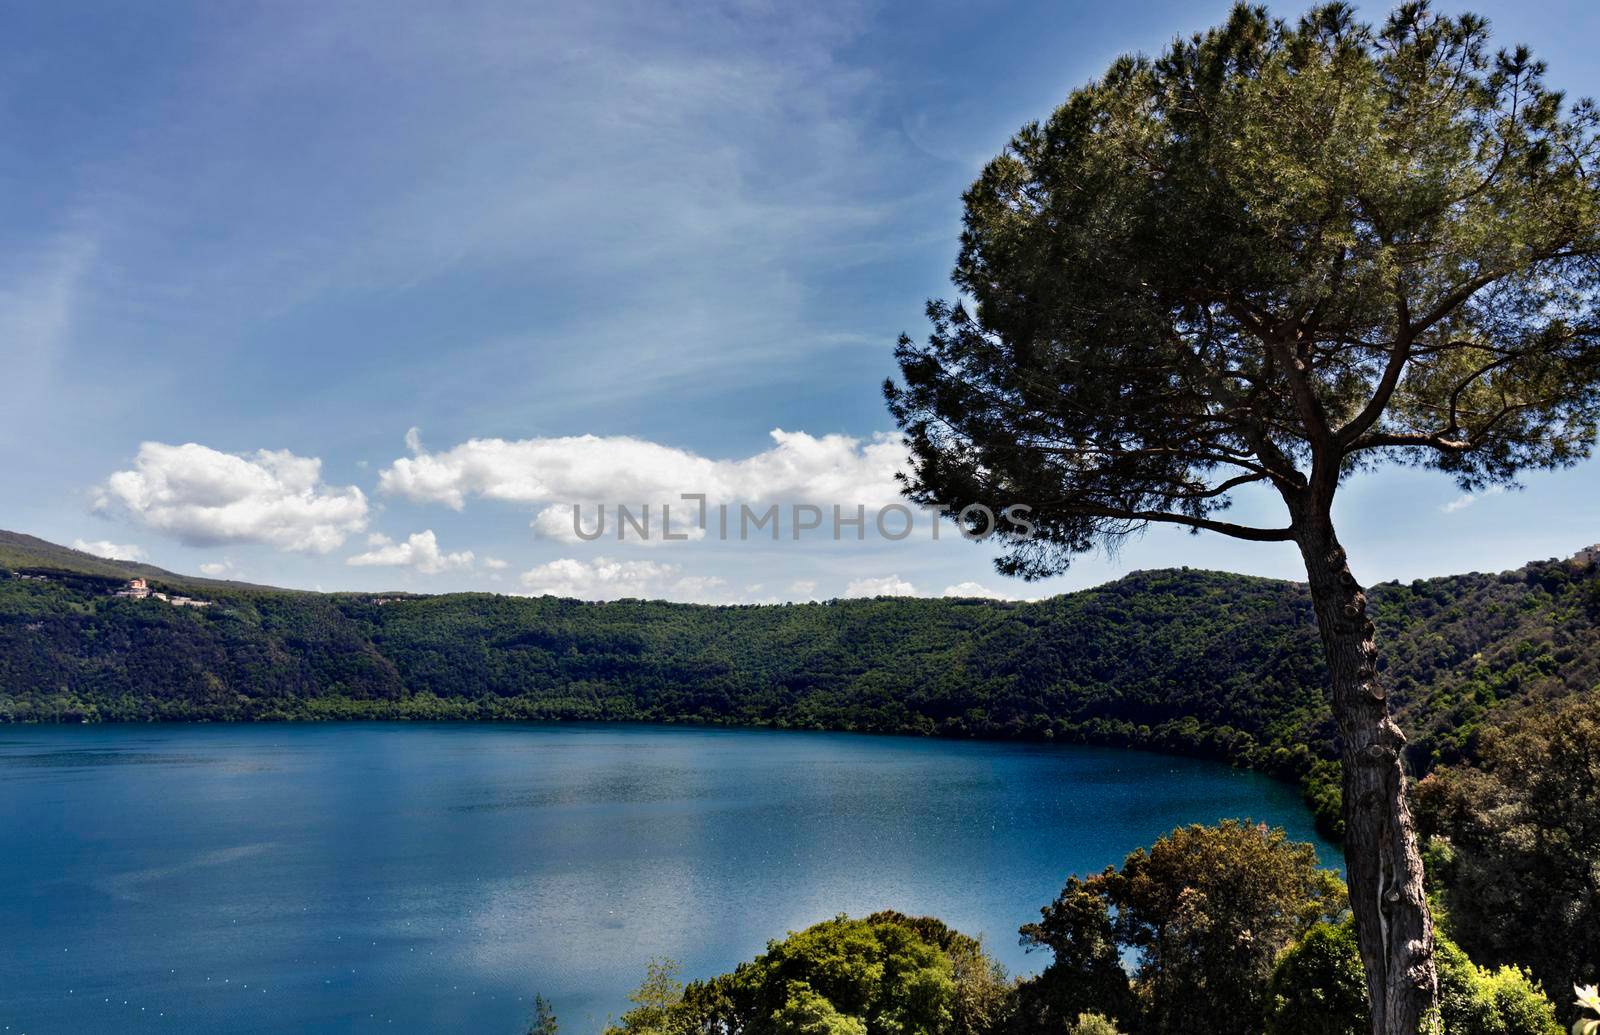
x=367 y=296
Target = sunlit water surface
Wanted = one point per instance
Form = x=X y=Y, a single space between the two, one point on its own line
x=432 y=878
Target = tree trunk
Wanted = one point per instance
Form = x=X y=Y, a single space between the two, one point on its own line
x=1382 y=864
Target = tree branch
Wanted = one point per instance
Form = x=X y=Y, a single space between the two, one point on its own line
x=1399 y=355
x=1250 y=532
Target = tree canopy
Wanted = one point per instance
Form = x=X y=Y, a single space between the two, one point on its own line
x=1317 y=989
x=1516 y=839
x=1205 y=911
x=886 y=974
x=1276 y=254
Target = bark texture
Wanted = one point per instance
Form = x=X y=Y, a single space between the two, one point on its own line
x=1382 y=864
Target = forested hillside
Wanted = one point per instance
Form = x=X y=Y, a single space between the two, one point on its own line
x=1187 y=661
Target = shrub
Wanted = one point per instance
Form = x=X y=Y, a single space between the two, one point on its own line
x=1318 y=988
x=888 y=974
x=1515 y=837
x=1206 y=911
x=1092 y=1024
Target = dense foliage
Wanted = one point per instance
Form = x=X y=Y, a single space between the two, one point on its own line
x=1193 y=662
x=888 y=974
x=1278 y=253
x=1318 y=989
x=1224 y=929
x=1515 y=843
x=1204 y=913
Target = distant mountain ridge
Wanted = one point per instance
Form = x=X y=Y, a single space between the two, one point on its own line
x=1195 y=662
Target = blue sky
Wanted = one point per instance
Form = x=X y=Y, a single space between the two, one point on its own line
x=246 y=249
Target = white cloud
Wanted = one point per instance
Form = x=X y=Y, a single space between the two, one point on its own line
x=495 y=564
x=591 y=470
x=1467 y=499
x=608 y=579
x=216 y=569
x=204 y=497
x=420 y=551
x=973 y=589
x=803 y=589
x=109 y=550
x=883 y=586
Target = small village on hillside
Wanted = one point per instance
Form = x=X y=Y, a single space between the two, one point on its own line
x=139 y=589
x=135 y=589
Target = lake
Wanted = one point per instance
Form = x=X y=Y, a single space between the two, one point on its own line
x=433 y=878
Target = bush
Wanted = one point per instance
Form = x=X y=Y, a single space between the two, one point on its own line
x=1318 y=989
x=1318 y=986
x=888 y=974
x=1092 y=1024
x=1475 y=1000
x=1205 y=911
x=1514 y=841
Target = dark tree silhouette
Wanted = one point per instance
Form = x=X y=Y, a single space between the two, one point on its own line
x=544 y=1018
x=1277 y=255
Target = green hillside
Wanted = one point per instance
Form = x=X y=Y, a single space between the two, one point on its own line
x=20 y=552
x=1195 y=662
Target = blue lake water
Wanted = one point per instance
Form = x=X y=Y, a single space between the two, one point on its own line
x=432 y=878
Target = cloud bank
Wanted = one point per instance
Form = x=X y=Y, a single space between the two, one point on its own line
x=973 y=589
x=883 y=586
x=606 y=579
x=204 y=497
x=420 y=551
x=590 y=470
